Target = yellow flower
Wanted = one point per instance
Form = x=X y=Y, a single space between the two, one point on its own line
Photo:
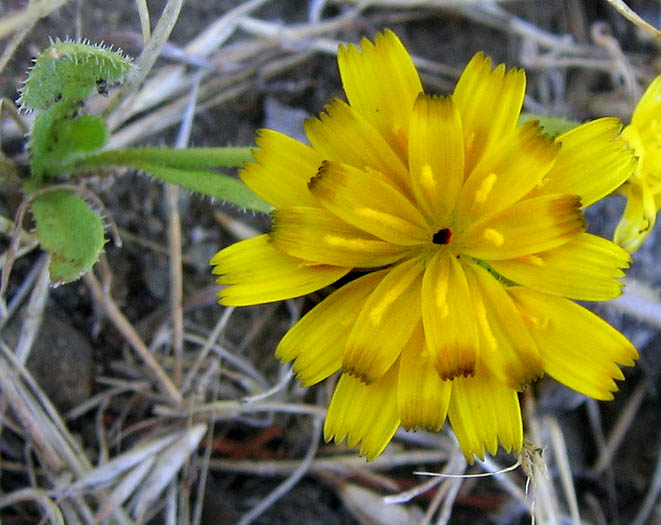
x=466 y=241
x=643 y=189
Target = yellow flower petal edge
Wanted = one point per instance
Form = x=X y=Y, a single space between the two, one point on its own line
x=639 y=215
x=370 y=202
x=342 y=134
x=643 y=189
x=281 y=170
x=373 y=345
x=277 y=277
x=496 y=182
x=382 y=84
x=316 y=342
x=422 y=396
x=507 y=348
x=364 y=414
x=551 y=221
x=586 y=268
x=578 y=348
x=499 y=90
x=318 y=236
x=484 y=412
x=460 y=238
x=594 y=160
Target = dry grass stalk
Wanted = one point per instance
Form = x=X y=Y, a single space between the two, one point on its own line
x=621 y=427
x=561 y=457
x=36 y=10
x=635 y=18
x=124 y=326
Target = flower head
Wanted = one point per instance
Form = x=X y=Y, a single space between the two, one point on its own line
x=466 y=242
x=643 y=189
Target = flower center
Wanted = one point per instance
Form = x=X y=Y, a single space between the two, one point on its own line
x=442 y=236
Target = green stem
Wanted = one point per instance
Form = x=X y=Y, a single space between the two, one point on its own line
x=195 y=158
x=187 y=168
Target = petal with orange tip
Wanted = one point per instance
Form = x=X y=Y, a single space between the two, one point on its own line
x=593 y=161
x=382 y=83
x=485 y=412
x=448 y=317
x=281 y=170
x=317 y=341
x=489 y=101
x=386 y=322
x=422 y=396
x=364 y=414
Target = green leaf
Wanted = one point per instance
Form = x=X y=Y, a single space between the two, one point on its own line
x=70 y=71
x=185 y=167
x=70 y=231
x=39 y=142
x=209 y=183
x=553 y=126
x=226 y=157
x=57 y=139
x=83 y=134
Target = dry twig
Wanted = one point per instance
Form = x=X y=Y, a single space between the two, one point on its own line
x=126 y=329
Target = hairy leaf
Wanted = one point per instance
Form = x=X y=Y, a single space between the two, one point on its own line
x=70 y=231
x=57 y=139
x=225 y=157
x=211 y=183
x=70 y=71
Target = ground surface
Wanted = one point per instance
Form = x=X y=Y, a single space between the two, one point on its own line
x=273 y=65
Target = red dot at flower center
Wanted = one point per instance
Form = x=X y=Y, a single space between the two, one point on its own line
x=442 y=236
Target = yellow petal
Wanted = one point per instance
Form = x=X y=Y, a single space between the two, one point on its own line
x=483 y=412
x=527 y=227
x=382 y=83
x=448 y=317
x=316 y=235
x=317 y=341
x=507 y=173
x=422 y=396
x=362 y=413
x=506 y=347
x=639 y=215
x=578 y=348
x=282 y=169
x=644 y=136
x=593 y=161
x=648 y=109
x=256 y=272
x=341 y=134
x=436 y=166
x=385 y=323
x=370 y=202
x=586 y=268
x=489 y=102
